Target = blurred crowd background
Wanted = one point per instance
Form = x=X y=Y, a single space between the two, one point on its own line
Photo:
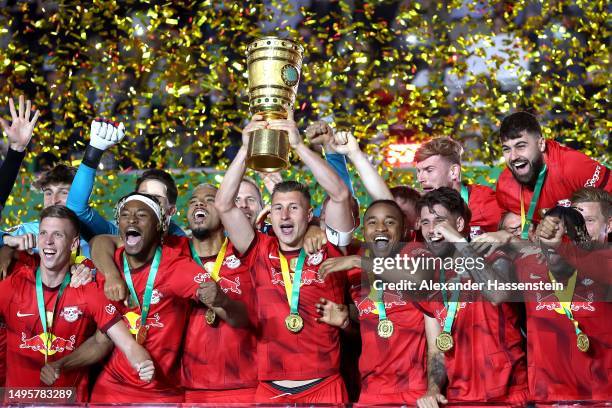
x=394 y=72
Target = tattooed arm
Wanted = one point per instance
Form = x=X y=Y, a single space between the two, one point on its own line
x=436 y=370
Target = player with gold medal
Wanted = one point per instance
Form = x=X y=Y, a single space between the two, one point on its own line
x=444 y=340
x=141 y=335
x=565 y=300
x=213 y=268
x=294 y=321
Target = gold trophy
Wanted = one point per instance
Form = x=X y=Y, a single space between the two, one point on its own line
x=274 y=66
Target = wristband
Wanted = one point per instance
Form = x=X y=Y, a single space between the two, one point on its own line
x=338 y=238
x=92 y=156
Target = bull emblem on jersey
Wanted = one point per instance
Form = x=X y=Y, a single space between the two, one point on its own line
x=232 y=262
x=71 y=313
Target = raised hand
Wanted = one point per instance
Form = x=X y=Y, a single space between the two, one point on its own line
x=105 y=134
x=257 y=122
x=25 y=242
x=344 y=143
x=319 y=133
x=20 y=131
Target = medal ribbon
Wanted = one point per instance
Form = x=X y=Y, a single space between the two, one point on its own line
x=378 y=298
x=451 y=307
x=218 y=262
x=146 y=299
x=526 y=221
x=465 y=194
x=40 y=301
x=568 y=293
x=293 y=291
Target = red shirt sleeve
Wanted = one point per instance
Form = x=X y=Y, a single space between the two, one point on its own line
x=579 y=170
x=185 y=272
x=104 y=312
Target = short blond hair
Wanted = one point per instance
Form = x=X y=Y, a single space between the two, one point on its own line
x=446 y=147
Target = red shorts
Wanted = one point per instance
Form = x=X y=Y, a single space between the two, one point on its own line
x=330 y=391
x=408 y=397
x=239 y=396
x=517 y=397
x=110 y=392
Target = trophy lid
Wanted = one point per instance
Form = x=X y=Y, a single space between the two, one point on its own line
x=275 y=41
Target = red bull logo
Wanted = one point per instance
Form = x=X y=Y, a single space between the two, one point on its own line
x=366 y=306
x=132 y=320
x=230 y=285
x=277 y=277
x=393 y=300
x=40 y=342
x=310 y=276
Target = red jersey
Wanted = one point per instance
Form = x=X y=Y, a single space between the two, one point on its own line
x=2 y=352
x=558 y=370
x=77 y=314
x=396 y=364
x=568 y=171
x=314 y=352
x=221 y=357
x=483 y=206
x=487 y=362
x=176 y=282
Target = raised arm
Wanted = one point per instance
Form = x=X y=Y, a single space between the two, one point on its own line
x=19 y=134
x=338 y=211
x=103 y=135
x=236 y=224
x=345 y=143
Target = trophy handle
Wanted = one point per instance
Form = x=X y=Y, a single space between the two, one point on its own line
x=268 y=150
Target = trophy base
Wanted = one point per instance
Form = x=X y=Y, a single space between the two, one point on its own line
x=268 y=150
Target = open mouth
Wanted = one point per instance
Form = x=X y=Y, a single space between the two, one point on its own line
x=286 y=229
x=132 y=237
x=381 y=241
x=436 y=239
x=49 y=253
x=521 y=166
x=427 y=188
x=199 y=216
x=247 y=213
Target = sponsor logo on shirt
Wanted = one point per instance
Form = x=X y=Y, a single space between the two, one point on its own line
x=593 y=180
x=19 y=314
x=367 y=305
x=550 y=303
x=132 y=319
x=110 y=309
x=47 y=343
x=229 y=285
x=71 y=313
x=315 y=259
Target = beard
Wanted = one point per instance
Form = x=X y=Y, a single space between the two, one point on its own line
x=201 y=233
x=531 y=176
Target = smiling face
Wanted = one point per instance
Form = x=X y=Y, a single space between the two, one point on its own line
x=383 y=228
x=57 y=239
x=138 y=228
x=524 y=157
x=435 y=172
x=202 y=215
x=429 y=218
x=55 y=194
x=248 y=201
x=290 y=214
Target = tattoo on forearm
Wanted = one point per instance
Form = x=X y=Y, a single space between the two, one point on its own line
x=436 y=370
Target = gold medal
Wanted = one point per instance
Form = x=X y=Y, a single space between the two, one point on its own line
x=583 y=343
x=294 y=323
x=211 y=317
x=209 y=267
x=141 y=335
x=444 y=342
x=385 y=328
